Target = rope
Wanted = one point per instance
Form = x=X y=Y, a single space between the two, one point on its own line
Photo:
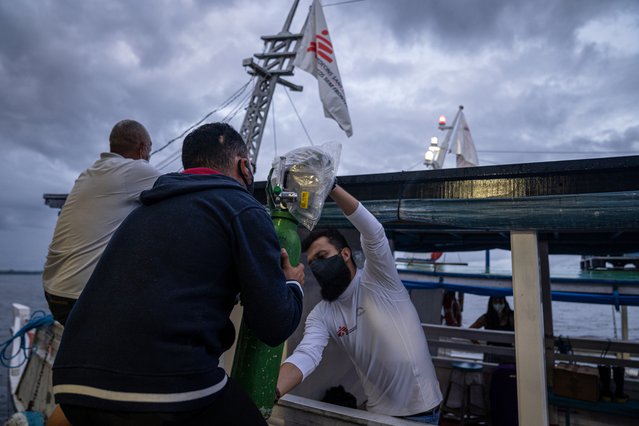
x=604 y=352
x=274 y=127
x=226 y=103
x=38 y=319
x=242 y=91
x=299 y=118
x=342 y=2
x=242 y=104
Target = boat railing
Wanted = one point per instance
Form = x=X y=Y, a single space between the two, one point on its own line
x=624 y=353
x=559 y=348
x=465 y=341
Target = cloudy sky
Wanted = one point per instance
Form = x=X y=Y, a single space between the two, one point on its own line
x=540 y=80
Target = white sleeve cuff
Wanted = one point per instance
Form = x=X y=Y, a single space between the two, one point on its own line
x=297 y=284
x=305 y=363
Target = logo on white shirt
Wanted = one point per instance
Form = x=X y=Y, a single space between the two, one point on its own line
x=343 y=331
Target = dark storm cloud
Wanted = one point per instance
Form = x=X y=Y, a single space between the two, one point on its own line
x=626 y=141
x=471 y=24
x=543 y=79
x=69 y=73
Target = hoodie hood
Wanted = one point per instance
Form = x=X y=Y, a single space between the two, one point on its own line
x=175 y=184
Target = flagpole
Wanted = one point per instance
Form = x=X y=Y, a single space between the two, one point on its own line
x=287 y=25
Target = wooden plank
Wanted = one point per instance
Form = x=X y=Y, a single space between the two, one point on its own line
x=433 y=331
x=471 y=347
x=529 y=337
x=292 y=410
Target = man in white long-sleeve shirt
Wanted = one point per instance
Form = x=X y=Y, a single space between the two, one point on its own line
x=368 y=313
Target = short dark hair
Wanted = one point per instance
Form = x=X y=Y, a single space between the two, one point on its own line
x=334 y=237
x=213 y=145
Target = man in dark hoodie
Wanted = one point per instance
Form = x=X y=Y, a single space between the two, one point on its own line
x=143 y=342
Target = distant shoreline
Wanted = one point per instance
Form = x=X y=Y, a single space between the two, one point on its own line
x=14 y=272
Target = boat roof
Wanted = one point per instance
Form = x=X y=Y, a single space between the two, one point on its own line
x=582 y=207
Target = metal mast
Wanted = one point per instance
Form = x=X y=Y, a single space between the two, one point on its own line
x=436 y=153
x=276 y=61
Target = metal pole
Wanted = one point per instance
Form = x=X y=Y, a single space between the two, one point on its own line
x=289 y=18
x=444 y=147
x=275 y=62
x=624 y=322
x=624 y=328
x=546 y=301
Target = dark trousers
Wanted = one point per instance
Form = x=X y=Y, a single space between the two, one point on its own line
x=60 y=307
x=231 y=406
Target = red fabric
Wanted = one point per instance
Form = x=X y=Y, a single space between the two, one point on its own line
x=452 y=310
x=201 y=171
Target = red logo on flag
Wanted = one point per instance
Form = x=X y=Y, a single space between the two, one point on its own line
x=322 y=46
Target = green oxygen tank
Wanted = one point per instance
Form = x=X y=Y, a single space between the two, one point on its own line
x=256 y=365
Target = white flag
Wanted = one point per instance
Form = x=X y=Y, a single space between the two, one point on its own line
x=316 y=56
x=463 y=143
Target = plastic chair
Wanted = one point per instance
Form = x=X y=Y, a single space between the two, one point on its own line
x=465 y=398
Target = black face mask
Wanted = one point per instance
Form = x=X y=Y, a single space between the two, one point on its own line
x=249 y=187
x=333 y=276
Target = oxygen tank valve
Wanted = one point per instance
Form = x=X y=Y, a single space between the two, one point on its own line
x=285 y=196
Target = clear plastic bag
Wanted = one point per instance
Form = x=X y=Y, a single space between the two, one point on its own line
x=308 y=172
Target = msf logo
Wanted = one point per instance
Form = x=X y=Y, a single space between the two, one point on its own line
x=322 y=46
x=343 y=331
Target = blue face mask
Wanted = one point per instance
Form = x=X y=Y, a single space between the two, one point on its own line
x=332 y=275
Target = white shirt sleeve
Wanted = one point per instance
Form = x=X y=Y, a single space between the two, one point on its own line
x=308 y=353
x=140 y=175
x=380 y=260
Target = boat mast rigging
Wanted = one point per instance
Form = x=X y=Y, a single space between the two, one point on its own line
x=436 y=153
x=276 y=62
